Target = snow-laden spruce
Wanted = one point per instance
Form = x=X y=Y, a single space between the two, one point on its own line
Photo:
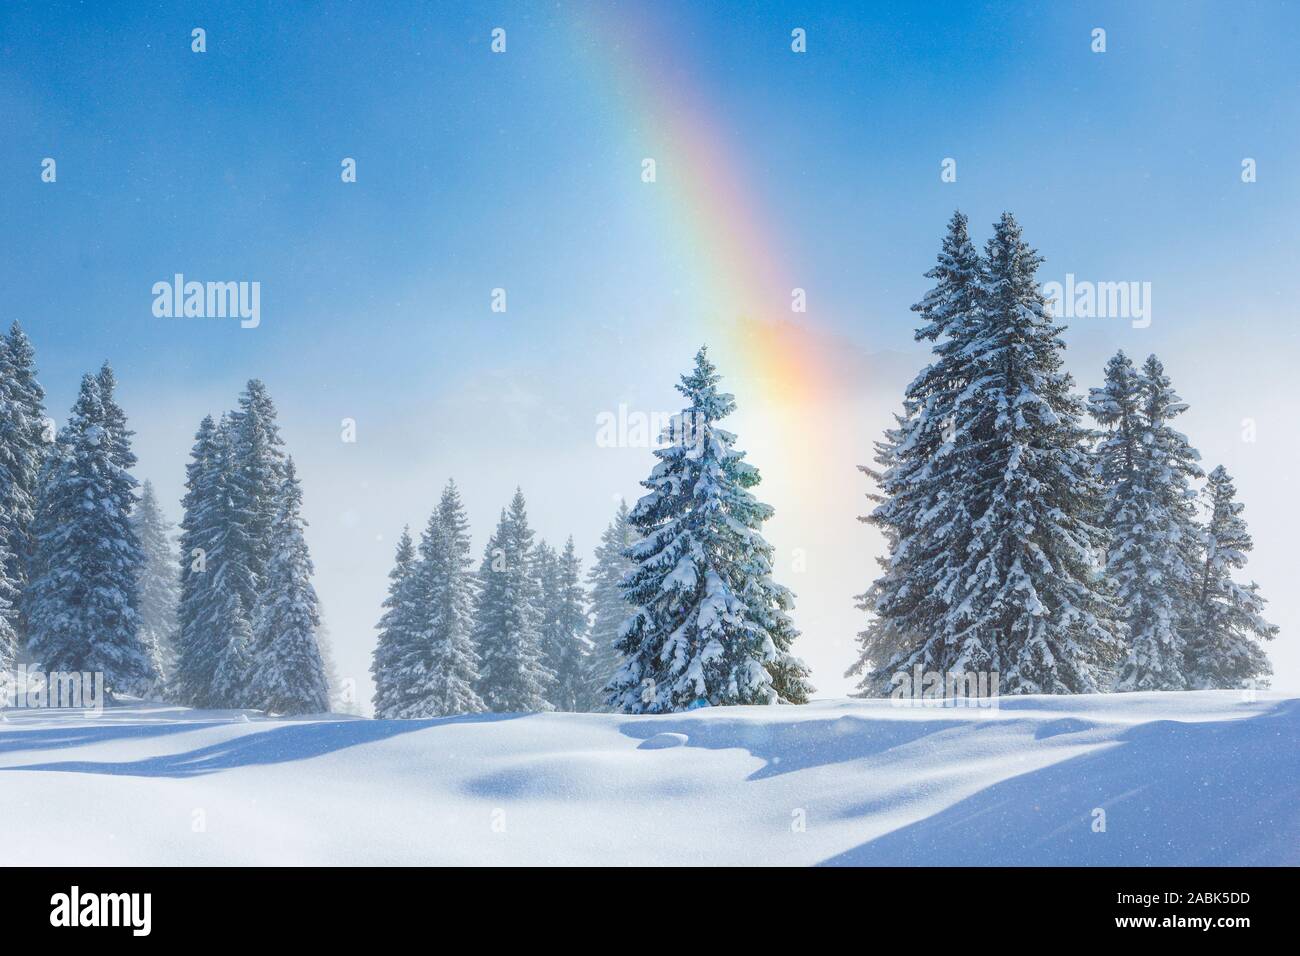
x=988 y=500
x=1223 y=650
x=9 y=596
x=199 y=610
x=507 y=619
x=920 y=508
x=256 y=476
x=23 y=445
x=564 y=626
x=710 y=626
x=214 y=565
x=609 y=609
x=157 y=582
x=242 y=537
x=1150 y=515
x=232 y=640
x=1146 y=467
x=440 y=662
x=1030 y=577
x=396 y=631
x=289 y=677
x=82 y=609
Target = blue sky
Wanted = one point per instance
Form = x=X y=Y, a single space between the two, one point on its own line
x=519 y=170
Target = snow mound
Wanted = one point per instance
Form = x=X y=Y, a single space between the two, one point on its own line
x=664 y=741
x=1177 y=778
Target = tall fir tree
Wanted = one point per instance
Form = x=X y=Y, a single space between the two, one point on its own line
x=24 y=441
x=512 y=676
x=920 y=508
x=608 y=608
x=258 y=473
x=8 y=638
x=83 y=609
x=1149 y=514
x=157 y=582
x=445 y=670
x=233 y=665
x=564 y=628
x=397 y=632
x=199 y=609
x=288 y=677
x=1224 y=649
x=1022 y=589
x=711 y=626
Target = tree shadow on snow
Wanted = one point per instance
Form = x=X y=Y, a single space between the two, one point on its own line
x=799 y=745
x=94 y=732
x=1219 y=793
x=277 y=743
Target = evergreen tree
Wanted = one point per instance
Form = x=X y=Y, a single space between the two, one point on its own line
x=920 y=508
x=232 y=639
x=197 y=643
x=156 y=582
x=23 y=446
x=288 y=677
x=711 y=626
x=445 y=670
x=8 y=639
x=1022 y=590
x=1224 y=649
x=83 y=610
x=396 y=631
x=564 y=627
x=608 y=608
x=258 y=473
x=1149 y=514
x=512 y=676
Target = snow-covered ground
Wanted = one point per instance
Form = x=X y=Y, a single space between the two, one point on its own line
x=1188 y=778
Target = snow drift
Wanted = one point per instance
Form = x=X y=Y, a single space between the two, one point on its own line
x=1176 y=778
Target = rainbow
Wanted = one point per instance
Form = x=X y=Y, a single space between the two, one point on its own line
x=743 y=284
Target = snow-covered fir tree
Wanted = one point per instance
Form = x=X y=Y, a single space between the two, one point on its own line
x=157 y=582
x=507 y=617
x=23 y=445
x=920 y=509
x=445 y=669
x=258 y=472
x=198 y=644
x=608 y=608
x=288 y=676
x=711 y=626
x=1020 y=585
x=8 y=637
x=83 y=605
x=1224 y=649
x=232 y=640
x=564 y=628
x=397 y=632
x=1149 y=514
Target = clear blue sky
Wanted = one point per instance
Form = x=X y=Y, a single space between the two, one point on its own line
x=521 y=171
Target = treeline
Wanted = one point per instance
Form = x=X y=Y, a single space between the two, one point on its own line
x=1067 y=558
x=89 y=576
x=680 y=609
x=522 y=632
x=248 y=615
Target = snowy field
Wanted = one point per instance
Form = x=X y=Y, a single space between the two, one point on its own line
x=1183 y=778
